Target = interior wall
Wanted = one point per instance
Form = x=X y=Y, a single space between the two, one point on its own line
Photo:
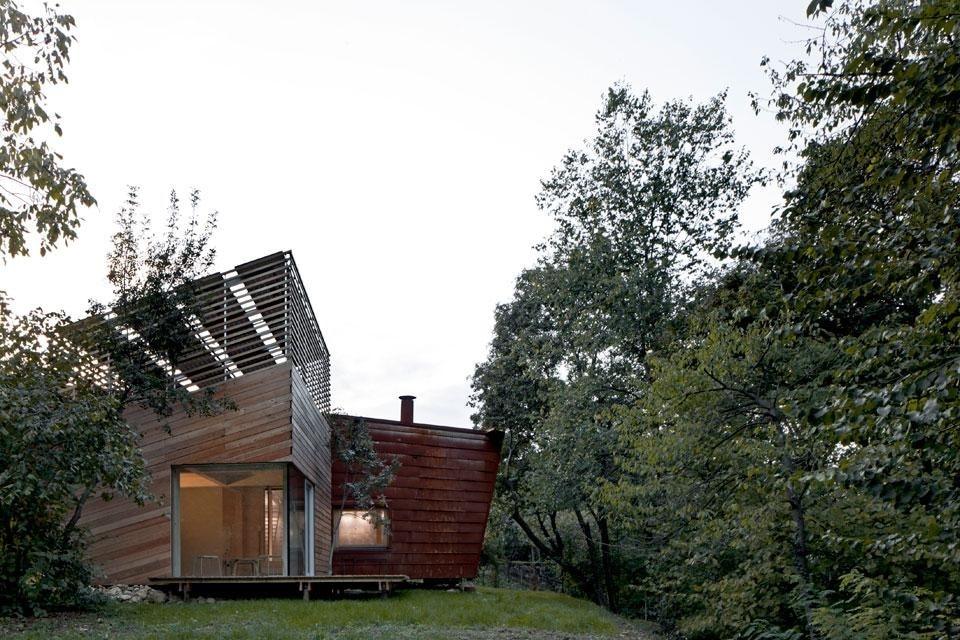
x=201 y=526
x=252 y=522
x=223 y=522
x=232 y=523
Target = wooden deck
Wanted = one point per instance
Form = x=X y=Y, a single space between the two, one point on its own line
x=253 y=586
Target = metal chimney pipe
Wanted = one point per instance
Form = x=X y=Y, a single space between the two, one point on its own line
x=406 y=409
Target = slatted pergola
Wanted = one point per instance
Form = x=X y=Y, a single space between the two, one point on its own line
x=251 y=317
x=254 y=316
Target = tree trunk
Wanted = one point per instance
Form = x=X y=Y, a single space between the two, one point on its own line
x=799 y=546
x=595 y=562
x=613 y=598
x=583 y=580
x=75 y=518
x=800 y=556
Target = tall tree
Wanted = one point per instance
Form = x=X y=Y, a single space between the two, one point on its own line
x=637 y=215
x=877 y=118
x=36 y=190
x=718 y=463
x=818 y=396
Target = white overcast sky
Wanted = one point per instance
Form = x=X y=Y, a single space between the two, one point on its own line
x=394 y=147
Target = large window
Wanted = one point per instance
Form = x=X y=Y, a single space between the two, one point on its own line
x=230 y=520
x=361 y=529
x=300 y=537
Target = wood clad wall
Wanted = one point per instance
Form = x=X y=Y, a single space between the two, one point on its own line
x=438 y=502
x=131 y=543
x=311 y=454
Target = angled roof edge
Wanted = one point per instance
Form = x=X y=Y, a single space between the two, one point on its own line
x=492 y=433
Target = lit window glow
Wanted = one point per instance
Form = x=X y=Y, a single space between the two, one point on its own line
x=355 y=530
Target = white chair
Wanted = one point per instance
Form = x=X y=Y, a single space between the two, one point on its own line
x=245 y=567
x=207 y=565
x=271 y=565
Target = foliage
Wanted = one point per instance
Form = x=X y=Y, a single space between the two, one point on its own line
x=35 y=188
x=63 y=437
x=878 y=197
x=787 y=463
x=152 y=320
x=638 y=213
x=842 y=330
x=717 y=464
x=366 y=475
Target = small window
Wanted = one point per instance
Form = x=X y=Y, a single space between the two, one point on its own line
x=360 y=528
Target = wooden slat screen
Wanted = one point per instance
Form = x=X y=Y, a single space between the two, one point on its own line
x=251 y=317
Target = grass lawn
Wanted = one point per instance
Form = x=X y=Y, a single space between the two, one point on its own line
x=415 y=615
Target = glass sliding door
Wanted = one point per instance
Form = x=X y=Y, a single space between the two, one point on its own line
x=296 y=518
x=300 y=517
x=230 y=520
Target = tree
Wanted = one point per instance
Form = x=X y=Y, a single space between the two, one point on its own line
x=153 y=319
x=365 y=474
x=638 y=214
x=36 y=190
x=63 y=437
x=876 y=119
x=717 y=471
x=813 y=389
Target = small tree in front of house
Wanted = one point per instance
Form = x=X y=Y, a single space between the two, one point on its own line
x=152 y=320
x=63 y=436
x=366 y=474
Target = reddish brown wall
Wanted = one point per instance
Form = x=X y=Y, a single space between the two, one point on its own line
x=438 y=502
x=132 y=543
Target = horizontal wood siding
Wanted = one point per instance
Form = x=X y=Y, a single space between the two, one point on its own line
x=311 y=454
x=131 y=543
x=438 y=502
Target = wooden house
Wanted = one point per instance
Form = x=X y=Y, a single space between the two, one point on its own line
x=251 y=493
